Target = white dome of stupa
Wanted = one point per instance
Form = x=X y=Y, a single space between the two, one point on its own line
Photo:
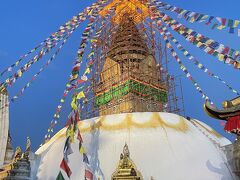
x=161 y=145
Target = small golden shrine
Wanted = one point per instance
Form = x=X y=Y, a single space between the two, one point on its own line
x=126 y=168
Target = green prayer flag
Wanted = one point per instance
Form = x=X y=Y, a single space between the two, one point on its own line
x=215 y=53
x=214 y=26
x=230 y=23
x=231 y=52
x=60 y=176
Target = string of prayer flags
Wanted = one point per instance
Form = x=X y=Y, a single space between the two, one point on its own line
x=76 y=68
x=22 y=57
x=164 y=31
x=55 y=37
x=195 y=17
x=67 y=150
x=14 y=77
x=75 y=71
x=73 y=84
x=83 y=78
x=20 y=93
x=52 y=40
x=181 y=65
x=184 y=69
x=208 y=45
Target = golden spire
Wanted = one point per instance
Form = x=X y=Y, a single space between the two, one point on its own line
x=136 y=8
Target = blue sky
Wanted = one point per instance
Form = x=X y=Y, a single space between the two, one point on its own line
x=26 y=23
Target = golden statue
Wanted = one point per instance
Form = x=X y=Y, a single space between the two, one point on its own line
x=18 y=153
x=126 y=169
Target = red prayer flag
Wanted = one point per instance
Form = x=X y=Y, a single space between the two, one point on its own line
x=88 y=175
x=79 y=137
x=79 y=81
x=65 y=167
x=77 y=118
x=70 y=121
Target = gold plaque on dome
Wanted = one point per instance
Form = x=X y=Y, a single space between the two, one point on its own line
x=136 y=8
x=126 y=169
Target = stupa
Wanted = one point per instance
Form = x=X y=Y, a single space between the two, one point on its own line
x=130 y=136
x=151 y=144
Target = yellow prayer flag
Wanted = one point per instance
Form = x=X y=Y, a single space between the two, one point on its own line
x=220 y=57
x=82 y=150
x=204 y=17
x=73 y=104
x=183 y=11
x=192 y=20
x=236 y=23
x=93 y=40
x=70 y=133
x=209 y=41
x=189 y=31
x=92 y=53
x=19 y=73
x=80 y=95
x=181 y=31
x=199 y=44
x=87 y=71
x=221 y=27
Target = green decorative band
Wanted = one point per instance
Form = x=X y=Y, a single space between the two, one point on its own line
x=134 y=87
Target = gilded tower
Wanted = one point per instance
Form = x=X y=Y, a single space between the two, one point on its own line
x=130 y=80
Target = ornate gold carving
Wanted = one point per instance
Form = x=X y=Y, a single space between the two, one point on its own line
x=126 y=168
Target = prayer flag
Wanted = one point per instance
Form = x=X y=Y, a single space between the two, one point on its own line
x=79 y=137
x=74 y=104
x=236 y=23
x=87 y=71
x=85 y=158
x=60 y=176
x=64 y=166
x=82 y=150
x=80 y=95
x=88 y=175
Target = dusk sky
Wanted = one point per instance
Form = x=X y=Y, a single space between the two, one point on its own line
x=26 y=23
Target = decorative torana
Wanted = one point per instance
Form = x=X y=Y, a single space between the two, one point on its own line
x=126 y=168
